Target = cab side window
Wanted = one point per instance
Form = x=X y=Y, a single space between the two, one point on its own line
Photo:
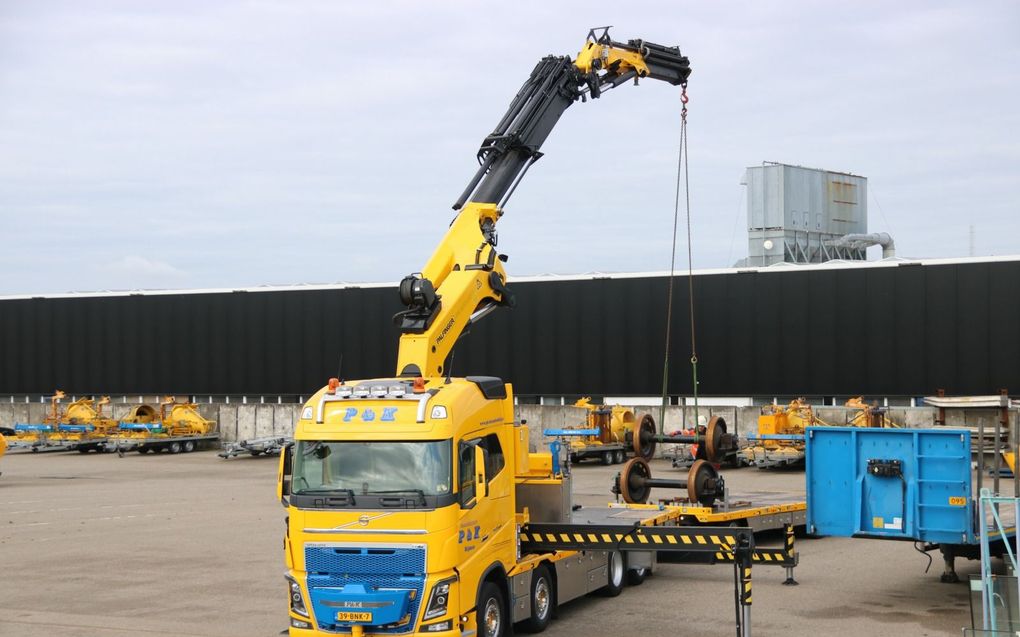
x=466 y=471
x=494 y=458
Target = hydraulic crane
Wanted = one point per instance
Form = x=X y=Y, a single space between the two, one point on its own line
x=465 y=279
x=414 y=505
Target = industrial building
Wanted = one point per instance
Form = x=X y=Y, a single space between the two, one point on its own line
x=890 y=329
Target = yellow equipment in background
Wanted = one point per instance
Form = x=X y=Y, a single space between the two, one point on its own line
x=175 y=427
x=615 y=427
x=780 y=439
x=3 y=445
x=868 y=415
x=83 y=427
x=36 y=436
x=184 y=419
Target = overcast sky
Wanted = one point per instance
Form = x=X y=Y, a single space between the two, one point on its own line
x=226 y=144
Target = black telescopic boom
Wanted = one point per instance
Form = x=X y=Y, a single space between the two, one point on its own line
x=555 y=84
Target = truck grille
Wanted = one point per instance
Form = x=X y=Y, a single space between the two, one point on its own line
x=373 y=567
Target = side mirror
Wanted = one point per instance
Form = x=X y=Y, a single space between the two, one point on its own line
x=283 y=478
x=481 y=488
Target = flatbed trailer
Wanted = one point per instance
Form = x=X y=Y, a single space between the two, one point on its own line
x=156 y=444
x=583 y=444
x=756 y=510
x=607 y=454
x=603 y=548
x=271 y=445
x=44 y=437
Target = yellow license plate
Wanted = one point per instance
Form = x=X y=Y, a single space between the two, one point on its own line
x=353 y=617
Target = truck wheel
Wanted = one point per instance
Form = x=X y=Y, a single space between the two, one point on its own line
x=616 y=567
x=175 y=447
x=491 y=612
x=542 y=601
x=189 y=446
x=607 y=457
x=619 y=456
x=636 y=576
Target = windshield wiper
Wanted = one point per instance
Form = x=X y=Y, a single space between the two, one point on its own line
x=418 y=492
x=348 y=495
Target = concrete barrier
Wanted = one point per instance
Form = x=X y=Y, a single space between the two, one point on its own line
x=239 y=421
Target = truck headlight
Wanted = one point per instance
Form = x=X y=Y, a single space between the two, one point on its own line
x=297 y=599
x=439 y=599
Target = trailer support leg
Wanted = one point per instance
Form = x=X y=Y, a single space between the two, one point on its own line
x=743 y=566
x=949 y=575
x=791 y=557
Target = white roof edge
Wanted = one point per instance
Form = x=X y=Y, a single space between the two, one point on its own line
x=777 y=268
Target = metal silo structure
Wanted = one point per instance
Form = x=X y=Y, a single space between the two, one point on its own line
x=806 y=215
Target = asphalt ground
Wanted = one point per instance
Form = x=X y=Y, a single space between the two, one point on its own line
x=190 y=545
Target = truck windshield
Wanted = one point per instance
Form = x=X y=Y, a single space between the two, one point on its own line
x=363 y=468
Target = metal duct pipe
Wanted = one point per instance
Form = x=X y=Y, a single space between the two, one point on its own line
x=857 y=241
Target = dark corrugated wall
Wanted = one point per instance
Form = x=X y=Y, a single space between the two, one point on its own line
x=905 y=330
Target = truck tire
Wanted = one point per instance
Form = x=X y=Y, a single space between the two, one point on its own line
x=637 y=576
x=491 y=612
x=607 y=458
x=189 y=446
x=616 y=569
x=542 y=601
x=175 y=447
x=619 y=456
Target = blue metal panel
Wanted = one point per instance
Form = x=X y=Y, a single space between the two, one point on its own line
x=154 y=427
x=75 y=428
x=570 y=432
x=930 y=500
x=22 y=426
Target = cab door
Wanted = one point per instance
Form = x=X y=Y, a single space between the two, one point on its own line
x=484 y=535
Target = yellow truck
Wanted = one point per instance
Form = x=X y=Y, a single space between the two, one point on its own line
x=414 y=504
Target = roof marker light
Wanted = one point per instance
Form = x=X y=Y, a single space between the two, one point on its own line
x=361 y=392
x=378 y=391
x=333 y=384
x=419 y=385
x=343 y=391
x=397 y=390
